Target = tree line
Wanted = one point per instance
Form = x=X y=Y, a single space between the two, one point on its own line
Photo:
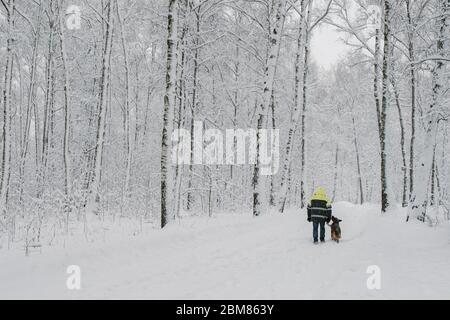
x=89 y=107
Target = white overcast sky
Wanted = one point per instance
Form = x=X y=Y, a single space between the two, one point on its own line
x=326 y=46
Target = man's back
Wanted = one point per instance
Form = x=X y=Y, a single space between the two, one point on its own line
x=319 y=209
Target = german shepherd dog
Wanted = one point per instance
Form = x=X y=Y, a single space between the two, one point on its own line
x=335 y=229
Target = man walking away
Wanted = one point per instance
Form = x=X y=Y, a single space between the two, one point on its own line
x=319 y=212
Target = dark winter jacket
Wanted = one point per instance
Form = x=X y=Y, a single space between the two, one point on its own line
x=319 y=207
x=319 y=210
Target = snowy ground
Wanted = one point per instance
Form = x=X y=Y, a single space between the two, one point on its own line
x=238 y=257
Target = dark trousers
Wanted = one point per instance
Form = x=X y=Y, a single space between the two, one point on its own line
x=316 y=231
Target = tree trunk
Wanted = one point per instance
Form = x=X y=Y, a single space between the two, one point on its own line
x=128 y=148
x=49 y=97
x=190 y=197
x=413 y=96
x=179 y=120
x=358 y=165
x=273 y=126
x=295 y=113
x=384 y=103
x=402 y=141
x=66 y=148
x=304 y=108
x=31 y=104
x=102 y=106
x=269 y=76
x=6 y=141
x=336 y=159
x=169 y=105
x=432 y=177
x=418 y=203
x=376 y=93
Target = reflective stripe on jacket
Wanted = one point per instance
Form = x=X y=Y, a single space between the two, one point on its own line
x=319 y=210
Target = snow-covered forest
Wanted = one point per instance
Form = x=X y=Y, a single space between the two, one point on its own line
x=115 y=114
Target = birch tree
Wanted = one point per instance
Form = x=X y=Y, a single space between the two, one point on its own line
x=384 y=104
x=269 y=75
x=169 y=106
x=418 y=202
x=126 y=107
x=6 y=132
x=293 y=123
x=66 y=88
x=412 y=80
x=94 y=196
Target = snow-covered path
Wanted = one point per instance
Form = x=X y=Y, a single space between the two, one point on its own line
x=239 y=257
